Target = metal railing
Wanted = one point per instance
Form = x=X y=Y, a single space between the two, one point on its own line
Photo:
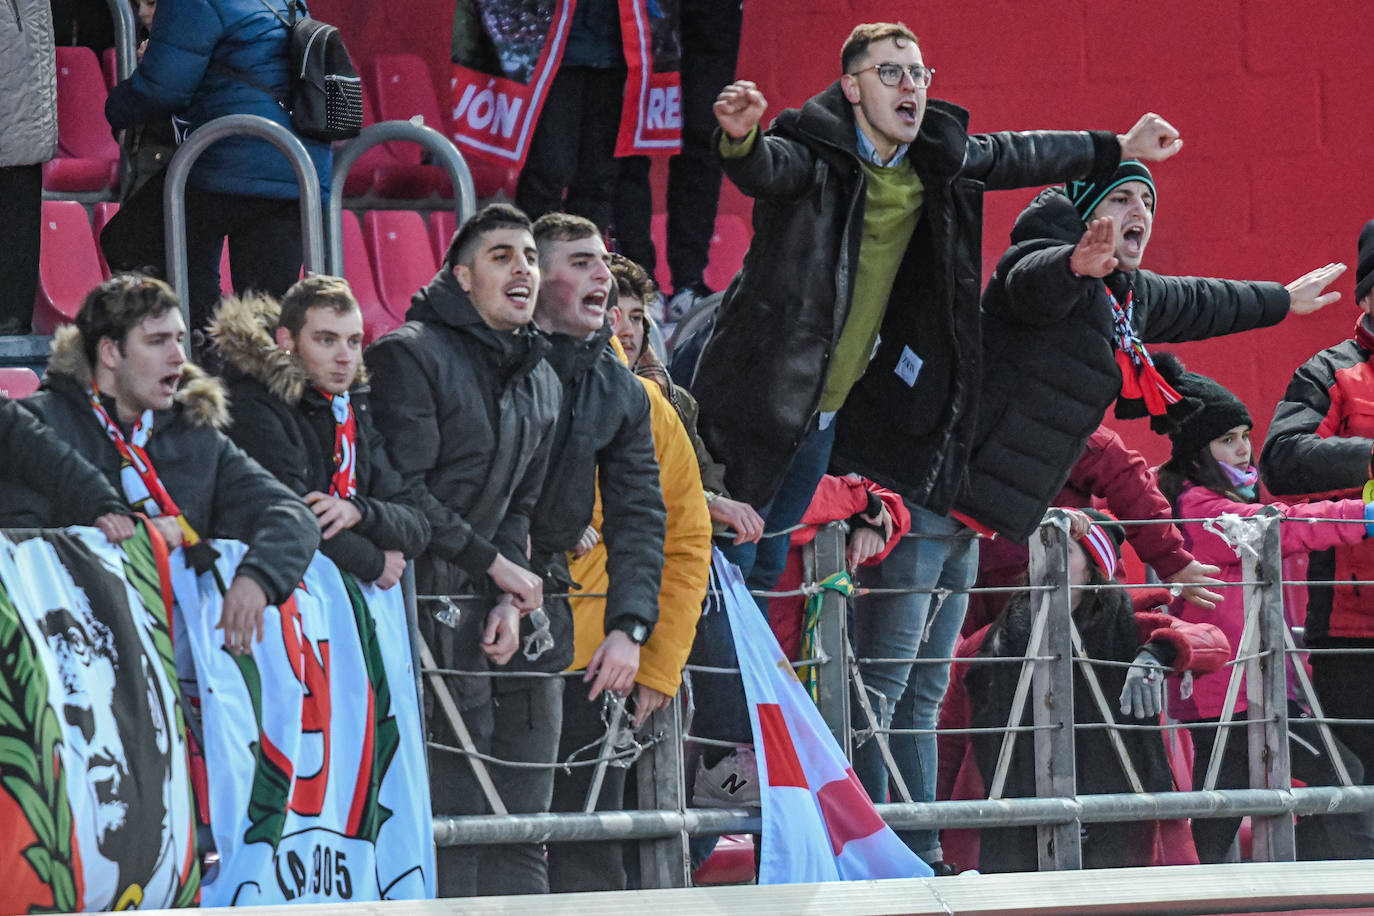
x=448 y=156
x=174 y=193
x=1059 y=811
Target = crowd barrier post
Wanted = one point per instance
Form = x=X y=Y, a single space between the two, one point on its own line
x=664 y=861
x=126 y=58
x=1060 y=846
x=824 y=557
x=1266 y=682
x=174 y=194
x=448 y=156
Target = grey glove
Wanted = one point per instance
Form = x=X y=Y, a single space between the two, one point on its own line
x=1142 y=696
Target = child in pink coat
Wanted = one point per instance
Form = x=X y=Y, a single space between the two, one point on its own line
x=1211 y=472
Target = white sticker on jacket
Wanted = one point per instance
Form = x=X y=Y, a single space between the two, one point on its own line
x=908 y=367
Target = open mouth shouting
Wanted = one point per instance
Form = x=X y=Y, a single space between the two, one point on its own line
x=520 y=292
x=907 y=112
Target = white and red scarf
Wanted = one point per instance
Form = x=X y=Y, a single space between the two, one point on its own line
x=344 y=483
x=137 y=476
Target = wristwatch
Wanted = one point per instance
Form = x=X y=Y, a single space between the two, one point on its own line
x=637 y=630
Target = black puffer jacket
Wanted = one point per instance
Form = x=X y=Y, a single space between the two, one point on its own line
x=604 y=438
x=760 y=377
x=287 y=426
x=468 y=413
x=1050 y=371
x=35 y=458
x=222 y=492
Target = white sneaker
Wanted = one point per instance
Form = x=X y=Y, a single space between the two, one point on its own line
x=682 y=301
x=732 y=783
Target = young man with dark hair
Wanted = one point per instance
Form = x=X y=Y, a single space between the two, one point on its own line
x=853 y=325
x=300 y=407
x=467 y=407
x=119 y=391
x=604 y=439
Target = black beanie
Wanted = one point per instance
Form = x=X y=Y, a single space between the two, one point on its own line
x=1086 y=195
x=1364 y=266
x=1220 y=411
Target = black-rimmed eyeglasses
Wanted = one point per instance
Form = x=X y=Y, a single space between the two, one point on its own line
x=891 y=74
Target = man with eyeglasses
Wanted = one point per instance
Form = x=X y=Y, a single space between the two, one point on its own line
x=853 y=325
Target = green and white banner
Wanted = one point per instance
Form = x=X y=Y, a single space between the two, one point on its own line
x=313 y=773
x=314 y=751
x=95 y=797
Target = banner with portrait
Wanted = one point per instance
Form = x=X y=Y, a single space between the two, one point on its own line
x=94 y=790
x=505 y=54
x=314 y=751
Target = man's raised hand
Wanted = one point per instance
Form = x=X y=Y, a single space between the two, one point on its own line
x=1152 y=139
x=1095 y=255
x=1305 y=293
x=739 y=107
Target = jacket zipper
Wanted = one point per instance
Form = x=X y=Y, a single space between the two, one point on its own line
x=18 y=23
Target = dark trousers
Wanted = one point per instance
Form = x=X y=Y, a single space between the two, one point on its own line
x=520 y=724
x=1325 y=836
x=710 y=50
x=264 y=242
x=1342 y=685
x=21 y=188
x=571 y=162
x=586 y=866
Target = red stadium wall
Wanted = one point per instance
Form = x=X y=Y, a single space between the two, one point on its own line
x=1271 y=98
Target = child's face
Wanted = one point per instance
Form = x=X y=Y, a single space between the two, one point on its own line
x=1233 y=447
x=145 y=10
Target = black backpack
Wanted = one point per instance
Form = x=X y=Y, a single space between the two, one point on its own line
x=326 y=93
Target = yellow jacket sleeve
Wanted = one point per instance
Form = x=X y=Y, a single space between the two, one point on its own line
x=686 y=560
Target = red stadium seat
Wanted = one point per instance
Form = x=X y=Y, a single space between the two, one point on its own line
x=402 y=259
x=226 y=279
x=87 y=157
x=405 y=89
x=108 y=69
x=68 y=266
x=728 y=244
x=383 y=171
x=104 y=212
x=377 y=320
x=17 y=381
x=442 y=225
x=658 y=231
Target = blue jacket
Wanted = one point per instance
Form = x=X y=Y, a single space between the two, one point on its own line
x=176 y=77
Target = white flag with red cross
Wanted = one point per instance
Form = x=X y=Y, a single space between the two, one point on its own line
x=818 y=822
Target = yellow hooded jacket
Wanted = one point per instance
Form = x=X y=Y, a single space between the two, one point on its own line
x=686 y=559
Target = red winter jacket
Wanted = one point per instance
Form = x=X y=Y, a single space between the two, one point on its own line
x=836 y=499
x=1319 y=445
x=1109 y=470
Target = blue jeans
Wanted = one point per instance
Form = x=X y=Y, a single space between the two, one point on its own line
x=939 y=553
x=762 y=564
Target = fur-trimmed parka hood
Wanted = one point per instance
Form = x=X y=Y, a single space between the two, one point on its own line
x=244 y=330
x=200 y=396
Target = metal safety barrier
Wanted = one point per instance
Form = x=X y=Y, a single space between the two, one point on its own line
x=174 y=193
x=464 y=191
x=1058 y=812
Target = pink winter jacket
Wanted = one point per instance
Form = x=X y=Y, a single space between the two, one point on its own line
x=1209 y=691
